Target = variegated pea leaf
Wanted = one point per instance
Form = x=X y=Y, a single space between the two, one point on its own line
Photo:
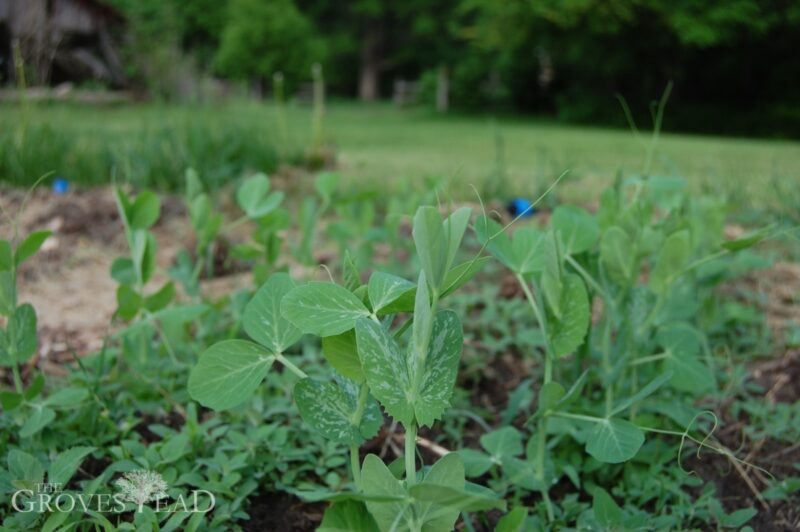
x=263 y=320
x=441 y=368
x=332 y=410
x=323 y=309
x=385 y=369
x=384 y=289
x=228 y=372
x=568 y=331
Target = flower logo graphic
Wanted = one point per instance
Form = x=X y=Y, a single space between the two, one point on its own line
x=142 y=486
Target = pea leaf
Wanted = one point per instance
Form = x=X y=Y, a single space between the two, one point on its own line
x=682 y=347
x=606 y=511
x=30 y=245
x=568 y=331
x=614 y=440
x=347 y=516
x=342 y=353
x=552 y=282
x=475 y=462
x=263 y=320
x=500 y=244
x=454 y=227
x=578 y=228
x=432 y=245
x=323 y=309
x=331 y=410
x=385 y=369
x=19 y=341
x=441 y=368
x=502 y=443
x=145 y=210
x=377 y=480
x=528 y=248
x=447 y=471
x=524 y=254
x=617 y=255
x=254 y=199
x=228 y=373
x=672 y=258
x=384 y=288
x=8 y=293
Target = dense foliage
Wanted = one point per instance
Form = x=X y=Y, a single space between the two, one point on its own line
x=732 y=62
x=615 y=327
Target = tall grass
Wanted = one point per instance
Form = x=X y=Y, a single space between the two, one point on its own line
x=148 y=152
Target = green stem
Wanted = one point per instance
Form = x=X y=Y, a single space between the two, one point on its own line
x=355 y=465
x=291 y=367
x=548 y=377
x=17 y=378
x=651 y=358
x=411 y=454
x=608 y=385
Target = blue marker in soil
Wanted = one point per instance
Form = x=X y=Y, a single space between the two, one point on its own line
x=518 y=206
x=60 y=186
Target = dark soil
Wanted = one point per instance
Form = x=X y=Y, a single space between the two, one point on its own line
x=281 y=512
x=737 y=487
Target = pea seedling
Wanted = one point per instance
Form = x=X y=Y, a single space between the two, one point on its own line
x=411 y=375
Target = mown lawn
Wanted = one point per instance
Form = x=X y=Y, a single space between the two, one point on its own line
x=381 y=142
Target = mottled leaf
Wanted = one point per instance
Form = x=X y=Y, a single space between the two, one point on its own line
x=263 y=320
x=323 y=309
x=441 y=368
x=385 y=369
x=331 y=410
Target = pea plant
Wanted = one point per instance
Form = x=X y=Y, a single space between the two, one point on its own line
x=28 y=409
x=408 y=366
x=642 y=257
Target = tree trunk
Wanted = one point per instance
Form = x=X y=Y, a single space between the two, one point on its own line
x=370 y=64
x=442 y=90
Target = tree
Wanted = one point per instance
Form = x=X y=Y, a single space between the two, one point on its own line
x=263 y=37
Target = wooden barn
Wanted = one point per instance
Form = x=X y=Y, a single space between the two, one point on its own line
x=61 y=41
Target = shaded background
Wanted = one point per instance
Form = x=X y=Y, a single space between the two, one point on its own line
x=733 y=62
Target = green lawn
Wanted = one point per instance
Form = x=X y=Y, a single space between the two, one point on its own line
x=389 y=145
